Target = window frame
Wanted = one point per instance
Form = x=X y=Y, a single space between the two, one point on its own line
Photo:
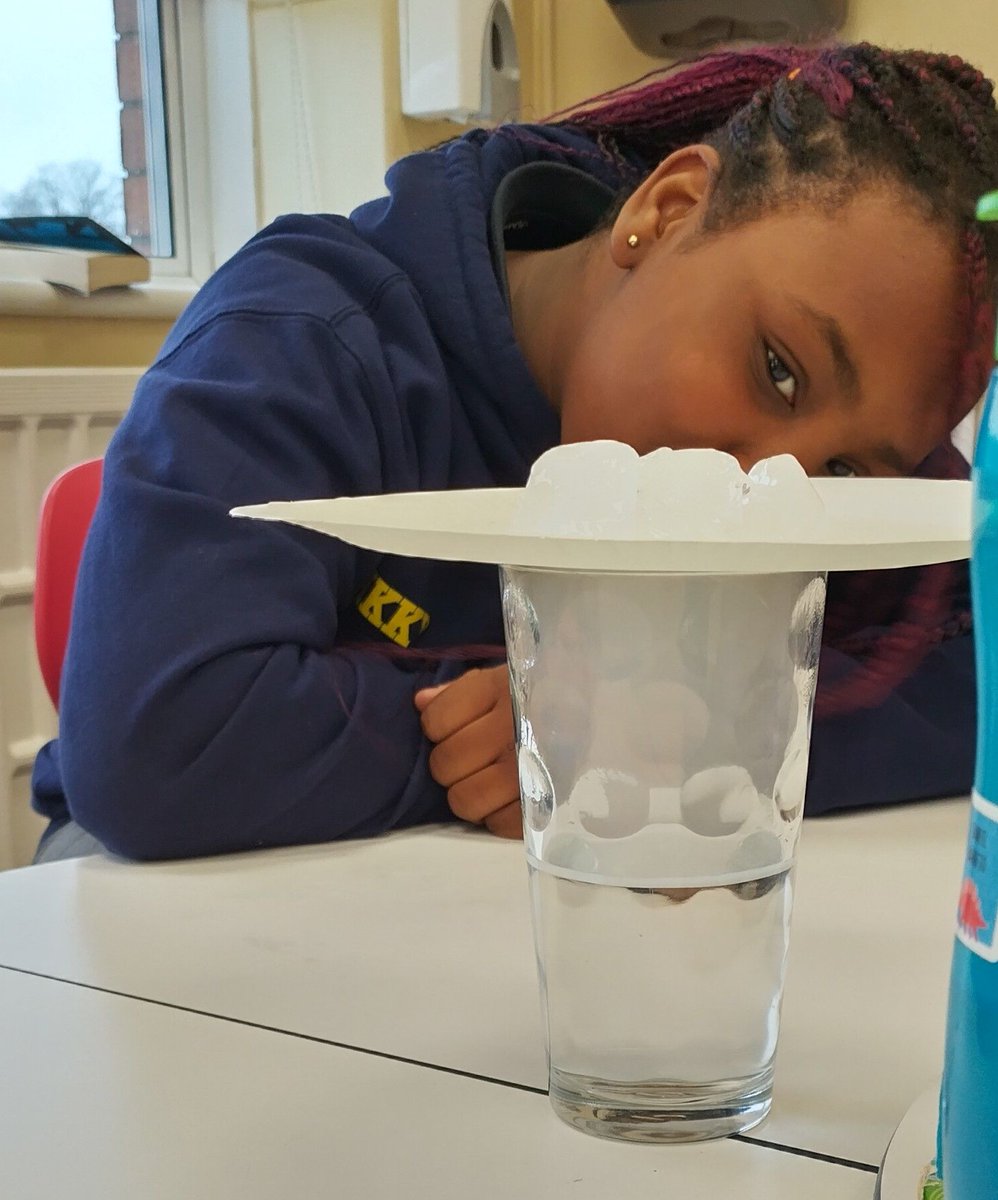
x=208 y=105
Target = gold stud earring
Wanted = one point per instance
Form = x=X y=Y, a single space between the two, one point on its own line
x=633 y=240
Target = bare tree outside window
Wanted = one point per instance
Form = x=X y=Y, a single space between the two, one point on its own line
x=83 y=188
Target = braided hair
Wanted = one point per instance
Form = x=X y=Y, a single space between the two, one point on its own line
x=811 y=126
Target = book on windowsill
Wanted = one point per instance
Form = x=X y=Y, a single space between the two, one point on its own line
x=71 y=252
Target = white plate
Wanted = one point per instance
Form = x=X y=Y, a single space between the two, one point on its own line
x=912 y=1149
x=871 y=523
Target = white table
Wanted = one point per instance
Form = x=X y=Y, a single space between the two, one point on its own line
x=405 y=967
x=107 y=1097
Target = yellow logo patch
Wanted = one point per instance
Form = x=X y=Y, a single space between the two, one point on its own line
x=388 y=610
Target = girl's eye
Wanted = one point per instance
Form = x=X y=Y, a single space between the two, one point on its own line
x=840 y=469
x=783 y=378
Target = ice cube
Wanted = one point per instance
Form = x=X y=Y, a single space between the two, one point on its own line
x=605 y=490
x=780 y=502
x=585 y=489
x=688 y=493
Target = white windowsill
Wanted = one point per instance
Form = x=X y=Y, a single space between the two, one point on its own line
x=160 y=299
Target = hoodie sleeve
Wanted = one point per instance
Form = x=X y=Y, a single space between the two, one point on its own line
x=918 y=745
x=205 y=705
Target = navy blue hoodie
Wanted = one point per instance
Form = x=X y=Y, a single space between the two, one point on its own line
x=223 y=687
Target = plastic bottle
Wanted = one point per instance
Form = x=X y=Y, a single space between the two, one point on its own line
x=967 y=1159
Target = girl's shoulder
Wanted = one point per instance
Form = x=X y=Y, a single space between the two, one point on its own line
x=309 y=264
x=303 y=270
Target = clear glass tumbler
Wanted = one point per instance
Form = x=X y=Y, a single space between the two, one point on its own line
x=663 y=725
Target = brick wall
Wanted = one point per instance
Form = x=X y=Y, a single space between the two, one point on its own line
x=133 y=138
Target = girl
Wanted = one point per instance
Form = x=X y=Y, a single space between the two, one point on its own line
x=762 y=252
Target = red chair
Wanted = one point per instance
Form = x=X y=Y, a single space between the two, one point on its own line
x=67 y=509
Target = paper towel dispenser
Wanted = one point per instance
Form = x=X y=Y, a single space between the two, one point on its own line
x=668 y=27
x=459 y=60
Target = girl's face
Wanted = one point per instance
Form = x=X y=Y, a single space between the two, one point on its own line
x=829 y=335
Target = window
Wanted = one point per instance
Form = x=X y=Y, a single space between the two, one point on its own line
x=137 y=113
x=84 y=117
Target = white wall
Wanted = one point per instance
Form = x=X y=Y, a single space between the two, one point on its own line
x=591 y=53
x=326 y=80
x=328 y=112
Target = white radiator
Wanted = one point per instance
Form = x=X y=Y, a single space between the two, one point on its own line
x=49 y=419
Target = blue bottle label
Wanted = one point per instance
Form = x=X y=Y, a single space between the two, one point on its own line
x=977 y=915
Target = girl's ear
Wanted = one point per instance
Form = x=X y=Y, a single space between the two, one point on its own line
x=670 y=200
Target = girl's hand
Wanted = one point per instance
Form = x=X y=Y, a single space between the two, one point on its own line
x=471 y=722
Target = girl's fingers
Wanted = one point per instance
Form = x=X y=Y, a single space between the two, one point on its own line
x=423 y=697
x=485 y=794
x=507 y=822
x=464 y=701
x=473 y=747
